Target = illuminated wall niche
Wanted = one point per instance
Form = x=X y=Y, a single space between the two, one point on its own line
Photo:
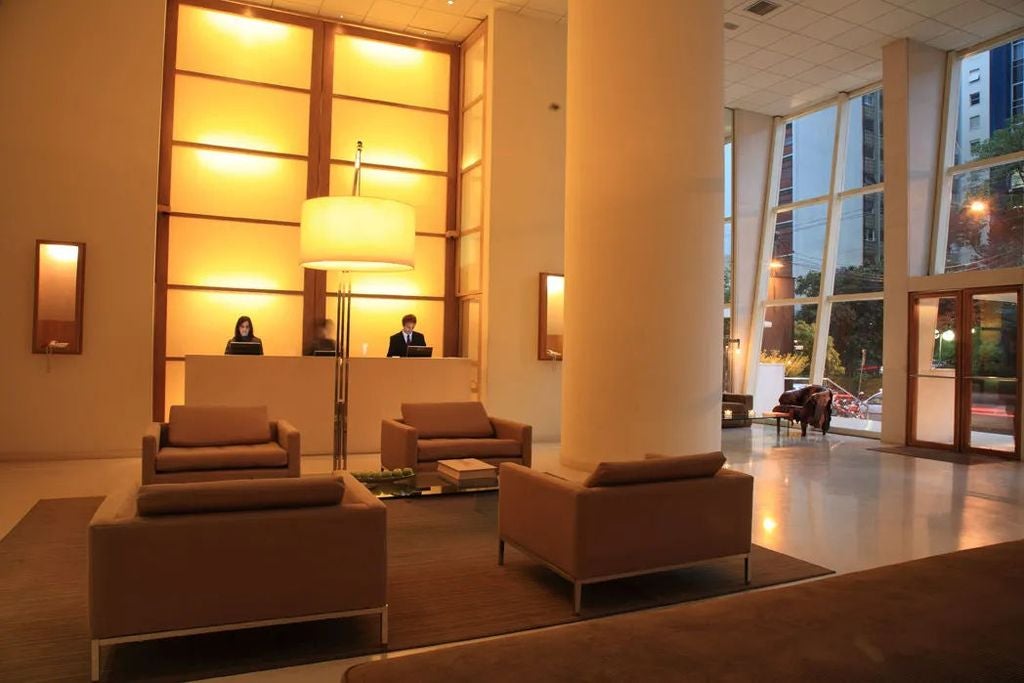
x=245 y=143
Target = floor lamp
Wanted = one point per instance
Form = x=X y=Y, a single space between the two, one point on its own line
x=353 y=234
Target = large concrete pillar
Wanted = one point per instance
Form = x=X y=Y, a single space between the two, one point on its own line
x=643 y=234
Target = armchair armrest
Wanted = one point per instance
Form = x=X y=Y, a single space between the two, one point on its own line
x=397 y=444
x=289 y=439
x=151 y=442
x=517 y=431
x=539 y=513
x=745 y=399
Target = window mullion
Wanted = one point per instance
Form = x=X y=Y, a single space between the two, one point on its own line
x=833 y=215
x=944 y=180
x=764 y=256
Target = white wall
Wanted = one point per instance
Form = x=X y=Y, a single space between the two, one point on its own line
x=526 y=214
x=79 y=137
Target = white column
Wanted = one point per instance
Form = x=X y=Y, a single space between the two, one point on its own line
x=643 y=235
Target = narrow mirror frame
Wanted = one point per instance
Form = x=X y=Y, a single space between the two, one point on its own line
x=74 y=344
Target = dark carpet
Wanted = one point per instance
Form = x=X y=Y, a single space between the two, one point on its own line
x=955 y=617
x=940 y=455
x=444 y=585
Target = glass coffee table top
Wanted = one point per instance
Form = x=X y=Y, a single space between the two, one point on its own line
x=428 y=484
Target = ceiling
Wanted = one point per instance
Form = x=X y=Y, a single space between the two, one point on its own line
x=802 y=52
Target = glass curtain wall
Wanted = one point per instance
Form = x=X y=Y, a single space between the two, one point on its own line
x=820 y=291
x=728 y=341
x=980 y=216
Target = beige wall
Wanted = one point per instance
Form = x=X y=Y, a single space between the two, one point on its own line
x=525 y=214
x=79 y=127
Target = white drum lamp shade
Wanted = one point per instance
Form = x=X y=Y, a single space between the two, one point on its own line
x=357 y=234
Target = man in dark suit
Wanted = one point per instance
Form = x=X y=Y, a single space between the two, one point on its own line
x=401 y=341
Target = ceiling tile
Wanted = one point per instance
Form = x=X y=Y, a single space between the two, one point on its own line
x=737 y=72
x=896 y=21
x=763 y=79
x=790 y=87
x=849 y=62
x=430 y=20
x=826 y=6
x=994 y=24
x=743 y=22
x=796 y=44
x=926 y=30
x=819 y=74
x=859 y=37
x=302 y=6
x=863 y=11
x=954 y=40
x=347 y=9
x=968 y=12
x=735 y=50
x=765 y=59
x=822 y=52
x=559 y=7
x=387 y=11
x=930 y=8
x=763 y=35
x=794 y=17
x=792 y=67
x=827 y=28
x=457 y=7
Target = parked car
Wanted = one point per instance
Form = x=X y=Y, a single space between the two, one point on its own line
x=871 y=407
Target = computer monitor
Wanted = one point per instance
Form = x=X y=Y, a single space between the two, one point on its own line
x=245 y=348
x=419 y=351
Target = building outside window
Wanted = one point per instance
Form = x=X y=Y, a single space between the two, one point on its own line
x=980 y=225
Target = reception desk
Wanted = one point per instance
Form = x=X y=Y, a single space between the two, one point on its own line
x=299 y=389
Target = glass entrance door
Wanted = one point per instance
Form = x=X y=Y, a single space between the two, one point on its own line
x=965 y=370
x=934 y=378
x=991 y=383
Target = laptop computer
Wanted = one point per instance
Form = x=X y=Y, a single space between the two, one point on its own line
x=419 y=351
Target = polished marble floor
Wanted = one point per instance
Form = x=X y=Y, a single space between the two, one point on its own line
x=824 y=499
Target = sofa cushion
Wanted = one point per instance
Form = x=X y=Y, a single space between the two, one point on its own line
x=217 y=425
x=462 y=419
x=238 y=494
x=439 y=449
x=175 y=459
x=656 y=468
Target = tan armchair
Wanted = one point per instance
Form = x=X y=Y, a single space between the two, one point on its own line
x=428 y=432
x=627 y=518
x=206 y=443
x=170 y=560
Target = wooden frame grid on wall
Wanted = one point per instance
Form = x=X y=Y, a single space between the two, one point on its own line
x=318 y=159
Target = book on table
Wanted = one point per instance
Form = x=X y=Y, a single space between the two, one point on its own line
x=466 y=469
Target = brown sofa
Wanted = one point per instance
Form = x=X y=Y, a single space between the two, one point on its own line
x=740 y=405
x=428 y=432
x=627 y=518
x=206 y=443
x=175 y=559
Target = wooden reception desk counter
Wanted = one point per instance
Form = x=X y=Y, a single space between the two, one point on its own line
x=299 y=389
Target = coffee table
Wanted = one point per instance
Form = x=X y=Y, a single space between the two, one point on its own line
x=428 y=484
x=779 y=417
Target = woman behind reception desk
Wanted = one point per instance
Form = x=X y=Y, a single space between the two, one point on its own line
x=244 y=342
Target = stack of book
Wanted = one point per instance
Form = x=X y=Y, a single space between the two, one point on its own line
x=466 y=470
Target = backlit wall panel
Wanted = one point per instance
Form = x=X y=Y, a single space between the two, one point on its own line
x=246 y=48
x=236 y=184
x=203 y=321
x=376 y=70
x=375 y=320
x=214 y=253
x=391 y=136
x=426 y=193
x=215 y=112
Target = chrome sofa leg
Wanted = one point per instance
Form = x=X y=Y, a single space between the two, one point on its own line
x=501 y=552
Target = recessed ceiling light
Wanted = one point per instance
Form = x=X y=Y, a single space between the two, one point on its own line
x=451 y=2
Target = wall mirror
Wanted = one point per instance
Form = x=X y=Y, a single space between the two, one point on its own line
x=552 y=316
x=60 y=284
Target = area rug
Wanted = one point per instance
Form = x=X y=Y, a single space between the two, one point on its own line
x=940 y=455
x=444 y=585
